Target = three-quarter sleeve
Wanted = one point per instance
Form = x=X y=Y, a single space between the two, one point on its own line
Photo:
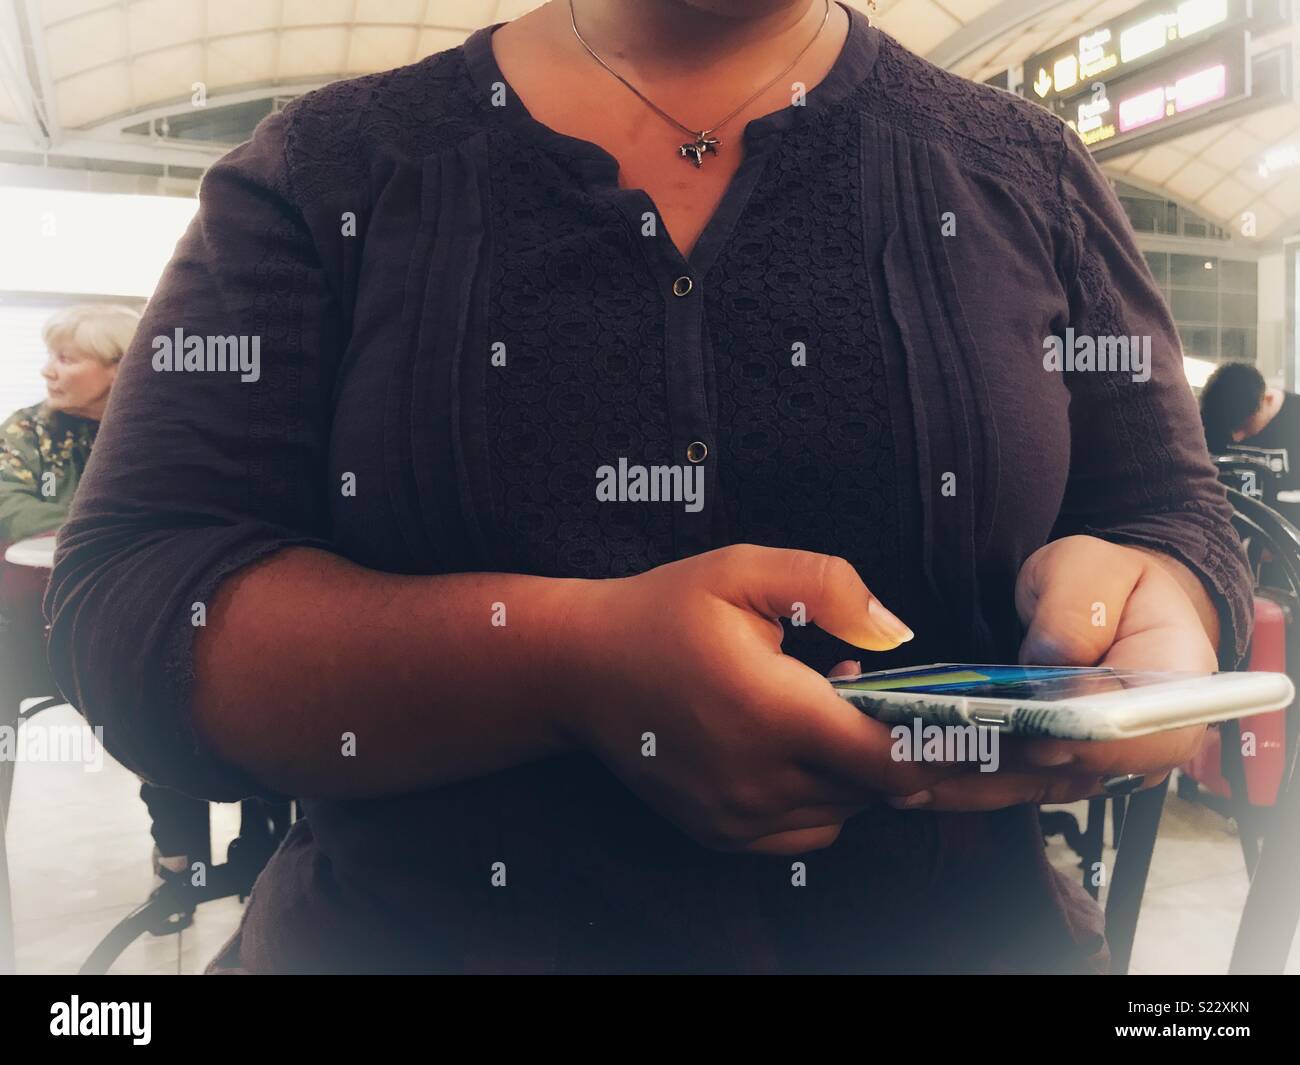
x=24 y=511
x=200 y=470
x=1139 y=469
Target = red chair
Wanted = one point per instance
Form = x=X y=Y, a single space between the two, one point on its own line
x=1270 y=834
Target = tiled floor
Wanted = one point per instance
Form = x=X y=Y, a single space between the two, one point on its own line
x=79 y=854
x=1194 y=895
x=79 y=851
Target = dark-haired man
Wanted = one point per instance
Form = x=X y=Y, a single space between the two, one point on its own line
x=1239 y=408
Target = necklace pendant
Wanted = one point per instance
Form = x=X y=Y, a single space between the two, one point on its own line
x=695 y=150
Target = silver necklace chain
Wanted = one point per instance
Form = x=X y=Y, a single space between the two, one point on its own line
x=695 y=150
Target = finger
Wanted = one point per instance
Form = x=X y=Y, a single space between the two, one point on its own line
x=818 y=816
x=977 y=792
x=1177 y=647
x=847 y=668
x=799 y=788
x=1143 y=754
x=744 y=830
x=1161 y=630
x=1072 y=599
x=825 y=589
x=801 y=842
x=879 y=774
x=835 y=742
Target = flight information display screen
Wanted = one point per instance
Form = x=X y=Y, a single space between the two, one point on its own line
x=1126 y=43
x=1163 y=95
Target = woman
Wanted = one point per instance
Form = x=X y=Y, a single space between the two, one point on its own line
x=43 y=448
x=43 y=453
x=535 y=728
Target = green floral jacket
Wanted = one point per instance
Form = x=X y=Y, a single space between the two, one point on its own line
x=42 y=456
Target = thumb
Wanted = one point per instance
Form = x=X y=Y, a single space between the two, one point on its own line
x=824 y=589
x=1071 y=595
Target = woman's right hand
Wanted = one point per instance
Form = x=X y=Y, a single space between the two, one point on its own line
x=751 y=749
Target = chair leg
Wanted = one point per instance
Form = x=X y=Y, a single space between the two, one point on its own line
x=1234 y=772
x=8 y=958
x=1272 y=912
x=1093 y=844
x=1132 y=864
x=1085 y=841
x=9 y=718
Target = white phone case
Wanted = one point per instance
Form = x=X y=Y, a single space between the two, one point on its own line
x=1110 y=716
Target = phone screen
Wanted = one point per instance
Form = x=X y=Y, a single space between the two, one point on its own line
x=1045 y=684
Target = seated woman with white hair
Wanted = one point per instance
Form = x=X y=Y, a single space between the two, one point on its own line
x=44 y=448
x=43 y=452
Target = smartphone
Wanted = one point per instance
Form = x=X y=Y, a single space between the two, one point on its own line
x=1063 y=702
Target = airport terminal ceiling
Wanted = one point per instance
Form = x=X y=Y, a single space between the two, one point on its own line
x=112 y=85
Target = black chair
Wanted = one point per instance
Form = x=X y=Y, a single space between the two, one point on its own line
x=262 y=825
x=1270 y=844
x=1272 y=911
x=1273 y=552
x=1136 y=819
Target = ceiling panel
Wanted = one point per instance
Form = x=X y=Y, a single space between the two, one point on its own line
x=169 y=74
x=8 y=112
x=1191 y=179
x=312 y=52
x=381 y=48
x=1226 y=200
x=405 y=12
x=226 y=17
x=1157 y=165
x=57 y=10
x=153 y=24
x=923 y=21
x=436 y=40
x=238 y=61
x=314 y=12
x=471 y=14
x=86 y=41
x=111 y=59
x=83 y=98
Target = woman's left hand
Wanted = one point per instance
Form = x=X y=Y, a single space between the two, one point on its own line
x=1088 y=602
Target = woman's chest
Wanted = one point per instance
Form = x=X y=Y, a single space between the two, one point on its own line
x=539 y=381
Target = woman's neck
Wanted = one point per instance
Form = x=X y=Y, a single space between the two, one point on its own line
x=92 y=413
x=657 y=40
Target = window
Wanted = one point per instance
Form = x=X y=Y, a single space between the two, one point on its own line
x=1214 y=300
x=1151 y=213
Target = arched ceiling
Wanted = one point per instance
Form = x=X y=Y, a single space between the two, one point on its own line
x=75 y=75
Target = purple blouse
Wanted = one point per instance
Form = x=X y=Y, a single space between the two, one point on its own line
x=911 y=236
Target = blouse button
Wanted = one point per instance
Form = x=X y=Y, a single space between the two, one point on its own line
x=697 y=450
x=682 y=286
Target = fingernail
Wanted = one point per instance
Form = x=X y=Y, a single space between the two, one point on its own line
x=889 y=625
x=910 y=802
x=1049 y=758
